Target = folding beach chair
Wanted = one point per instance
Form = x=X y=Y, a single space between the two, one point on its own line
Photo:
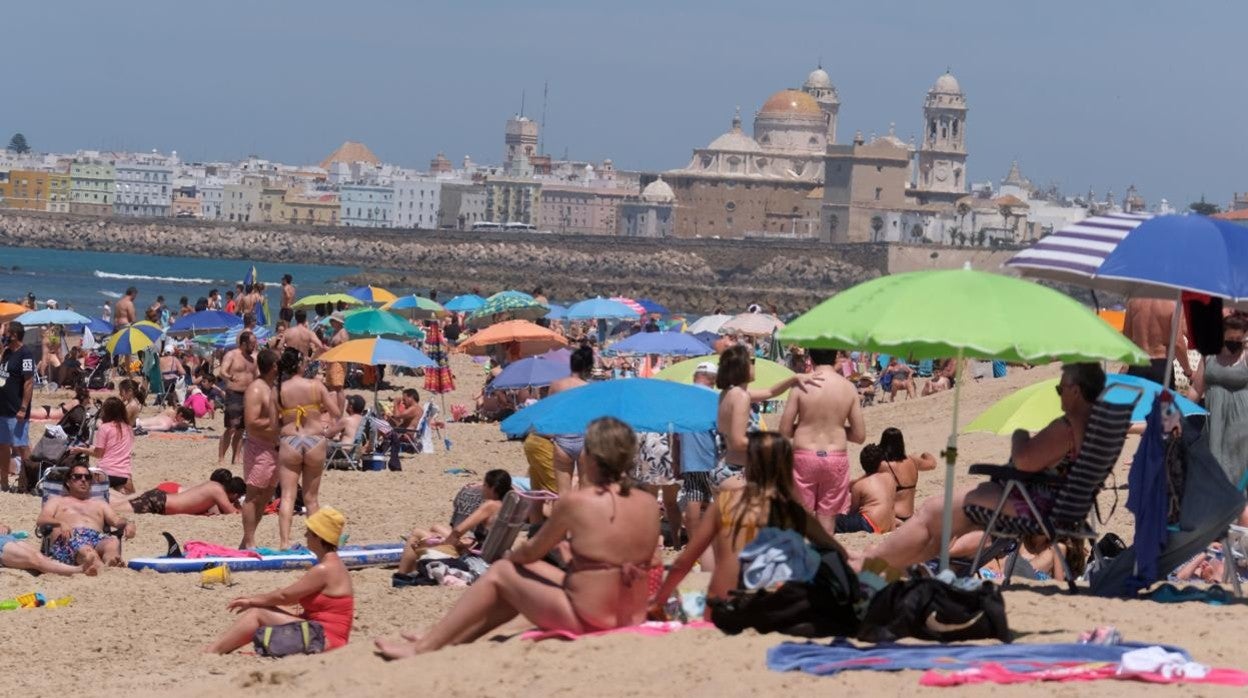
x=52 y=484
x=420 y=439
x=1075 y=498
x=512 y=516
x=350 y=456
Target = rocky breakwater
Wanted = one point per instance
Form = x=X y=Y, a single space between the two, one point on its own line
x=683 y=276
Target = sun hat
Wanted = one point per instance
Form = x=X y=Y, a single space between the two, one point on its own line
x=707 y=367
x=327 y=523
x=337 y=317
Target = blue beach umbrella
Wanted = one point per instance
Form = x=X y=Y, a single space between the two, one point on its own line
x=557 y=312
x=229 y=338
x=204 y=321
x=531 y=372
x=600 y=309
x=653 y=307
x=465 y=303
x=1168 y=254
x=661 y=343
x=645 y=404
x=98 y=327
x=52 y=316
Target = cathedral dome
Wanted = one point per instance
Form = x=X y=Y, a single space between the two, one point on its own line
x=947 y=84
x=658 y=192
x=735 y=140
x=791 y=103
x=818 y=78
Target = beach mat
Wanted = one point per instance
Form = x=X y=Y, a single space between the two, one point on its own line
x=354 y=557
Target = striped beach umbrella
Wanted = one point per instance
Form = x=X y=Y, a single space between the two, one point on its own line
x=632 y=304
x=130 y=340
x=229 y=338
x=507 y=305
x=1075 y=253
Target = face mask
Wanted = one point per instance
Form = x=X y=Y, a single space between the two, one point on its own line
x=1234 y=346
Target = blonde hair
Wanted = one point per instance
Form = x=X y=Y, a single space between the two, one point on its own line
x=613 y=446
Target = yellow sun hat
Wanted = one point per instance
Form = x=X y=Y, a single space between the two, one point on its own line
x=327 y=523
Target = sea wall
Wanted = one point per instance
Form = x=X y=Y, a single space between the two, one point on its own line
x=696 y=275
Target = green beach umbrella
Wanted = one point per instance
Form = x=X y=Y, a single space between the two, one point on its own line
x=379 y=323
x=327 y=299
x=964 y=314
x=766 y=373
x=507 y=305
x=416 y=307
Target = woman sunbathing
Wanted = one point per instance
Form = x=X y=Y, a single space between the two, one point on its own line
x=737 y=515
x=613 y=529
x=324 y=592
x=172 y=419
x=1053 y=448
x=476 y=509
x=82 y=397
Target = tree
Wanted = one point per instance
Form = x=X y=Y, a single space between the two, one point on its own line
x=1202 y=207
x=18 y=144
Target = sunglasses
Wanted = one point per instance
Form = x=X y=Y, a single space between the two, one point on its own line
x=85 y=477
x=1060 y=387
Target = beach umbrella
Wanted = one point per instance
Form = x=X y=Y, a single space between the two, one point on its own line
x=326 y=299
x=766 y=373
x=378 y=351
x=562 y=355
x=521 y=337
x=371 y=322
x=661 y=343
x=97 y=326
x=204 y=321
x=534 y=371
x=8 y=311
x=710 y=323
x=229 y=338
x=1074 y=253
x=465 y=303
x=755 y=324
x=653 y=307
x=1032 y=408
x=507 y=305
x=417 y=307
x=557 y=312
x=52 y=316
x=645 y=404
x=371 y=294
x=964 y=314
x=130 y=340
x=634 y=305
x=601 y=309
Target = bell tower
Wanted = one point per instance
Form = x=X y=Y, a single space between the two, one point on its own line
x=942 y=155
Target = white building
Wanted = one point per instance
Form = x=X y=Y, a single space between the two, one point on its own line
x=416 y=203
x=143 y=190
x=211 y=195
x=365 y=205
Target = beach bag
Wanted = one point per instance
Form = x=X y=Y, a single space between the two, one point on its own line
x=49 y=450
x=929 y=609
x=822 y=607
x=304 y=637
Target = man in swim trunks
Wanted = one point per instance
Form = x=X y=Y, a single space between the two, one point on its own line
x=78 y=523
x=216 y=496
x=260 y=448
x=821 y=420
x=871 y=497
x=697 y=453
x=288 y=291
x=301 y=337
x=336 y=372
x=238 y=370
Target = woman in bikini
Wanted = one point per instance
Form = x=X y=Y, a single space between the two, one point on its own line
x=613 y=530
x=474 y=511
x=128 y=391
x=82 y=398
x=904 y=469
x=735 y=517
x=301 y=446
x=568 y=446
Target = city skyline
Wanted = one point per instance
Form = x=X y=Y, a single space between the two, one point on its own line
x=1083 y=95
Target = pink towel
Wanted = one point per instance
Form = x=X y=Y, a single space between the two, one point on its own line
x=649 y=629
x=992 y=672
x=195 y=549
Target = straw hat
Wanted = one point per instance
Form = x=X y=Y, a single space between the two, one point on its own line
x=327 y=524
x=337 y=317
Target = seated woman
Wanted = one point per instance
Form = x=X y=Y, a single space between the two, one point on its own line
x=904 y=469
x=132 y=397
x=735 y=517
x=1052 y=448
x=324 y=592
x=219 y=495
x=41 y=413
x=476 y=508
x=941 y=380
x=614 y=530
x=172 y=419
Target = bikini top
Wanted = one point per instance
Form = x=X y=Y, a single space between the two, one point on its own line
x=900 y=487
x=301 y=411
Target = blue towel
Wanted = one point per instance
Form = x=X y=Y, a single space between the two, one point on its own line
x=1148 y=500
x=829 y=660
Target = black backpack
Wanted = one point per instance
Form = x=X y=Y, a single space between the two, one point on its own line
x=929 y=609
x=822 y=607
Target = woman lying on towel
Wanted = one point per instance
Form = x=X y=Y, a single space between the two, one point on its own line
x=324 y=593
x=219 y=495
x=476 y=507
x=1053 y=448
x=736 y=516
x=614 y=531
x=82 y=397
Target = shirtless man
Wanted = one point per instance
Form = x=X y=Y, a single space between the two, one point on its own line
x=219 y=495
x=1147 y=324
x=820 y=421
x=301 y=337
x=288 y=291
x=343 y=431
x=336 y=372
x=260 y=449
x=124 y=313
x=247 y=302
x=78 y=522
x=238 y=370
x=871 y=497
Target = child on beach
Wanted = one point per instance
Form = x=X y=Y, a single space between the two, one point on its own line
x=113 y=446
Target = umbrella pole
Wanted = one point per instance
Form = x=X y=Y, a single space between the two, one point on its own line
x=1174 y=339
x=951 y=459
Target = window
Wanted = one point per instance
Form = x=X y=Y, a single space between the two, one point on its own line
x=878 y=191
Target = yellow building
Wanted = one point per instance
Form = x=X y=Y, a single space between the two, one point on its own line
x=32 y=190
x=313 y=209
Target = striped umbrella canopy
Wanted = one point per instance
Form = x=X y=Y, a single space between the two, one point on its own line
x=371 y=294
x=327 y=299
x=417 y=307
x=634 y=305
x=149 y=328
x=229 y=338
x=378 y=351
x=507 y=305
x=465 y=303
x=130 y=340
x=1074 y=254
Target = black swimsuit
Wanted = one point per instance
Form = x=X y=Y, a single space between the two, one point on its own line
x=899 y=488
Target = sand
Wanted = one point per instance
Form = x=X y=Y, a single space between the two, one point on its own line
x=140 y=633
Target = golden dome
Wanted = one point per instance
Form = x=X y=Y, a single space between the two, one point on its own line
x=791 y=102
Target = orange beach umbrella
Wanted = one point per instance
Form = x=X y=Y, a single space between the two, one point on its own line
x=528 y=339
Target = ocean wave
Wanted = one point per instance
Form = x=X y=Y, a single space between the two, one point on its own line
x=145 y=277
x=110 y=294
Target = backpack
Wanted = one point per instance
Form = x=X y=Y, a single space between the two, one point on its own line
x=826 y=606
x=929 y=609
x=303 y=637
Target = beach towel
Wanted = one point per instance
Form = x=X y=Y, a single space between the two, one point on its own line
x=991 y=672
x=841 y=655
x=647 y=629
x=1148 y=498
x=195 y=549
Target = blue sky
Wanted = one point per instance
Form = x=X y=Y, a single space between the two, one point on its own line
x=1098 y=94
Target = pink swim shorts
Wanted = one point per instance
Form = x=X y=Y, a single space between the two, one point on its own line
x=821 y=481
x=259 y=463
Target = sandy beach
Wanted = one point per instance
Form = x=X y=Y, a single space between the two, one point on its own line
x=141 y=633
